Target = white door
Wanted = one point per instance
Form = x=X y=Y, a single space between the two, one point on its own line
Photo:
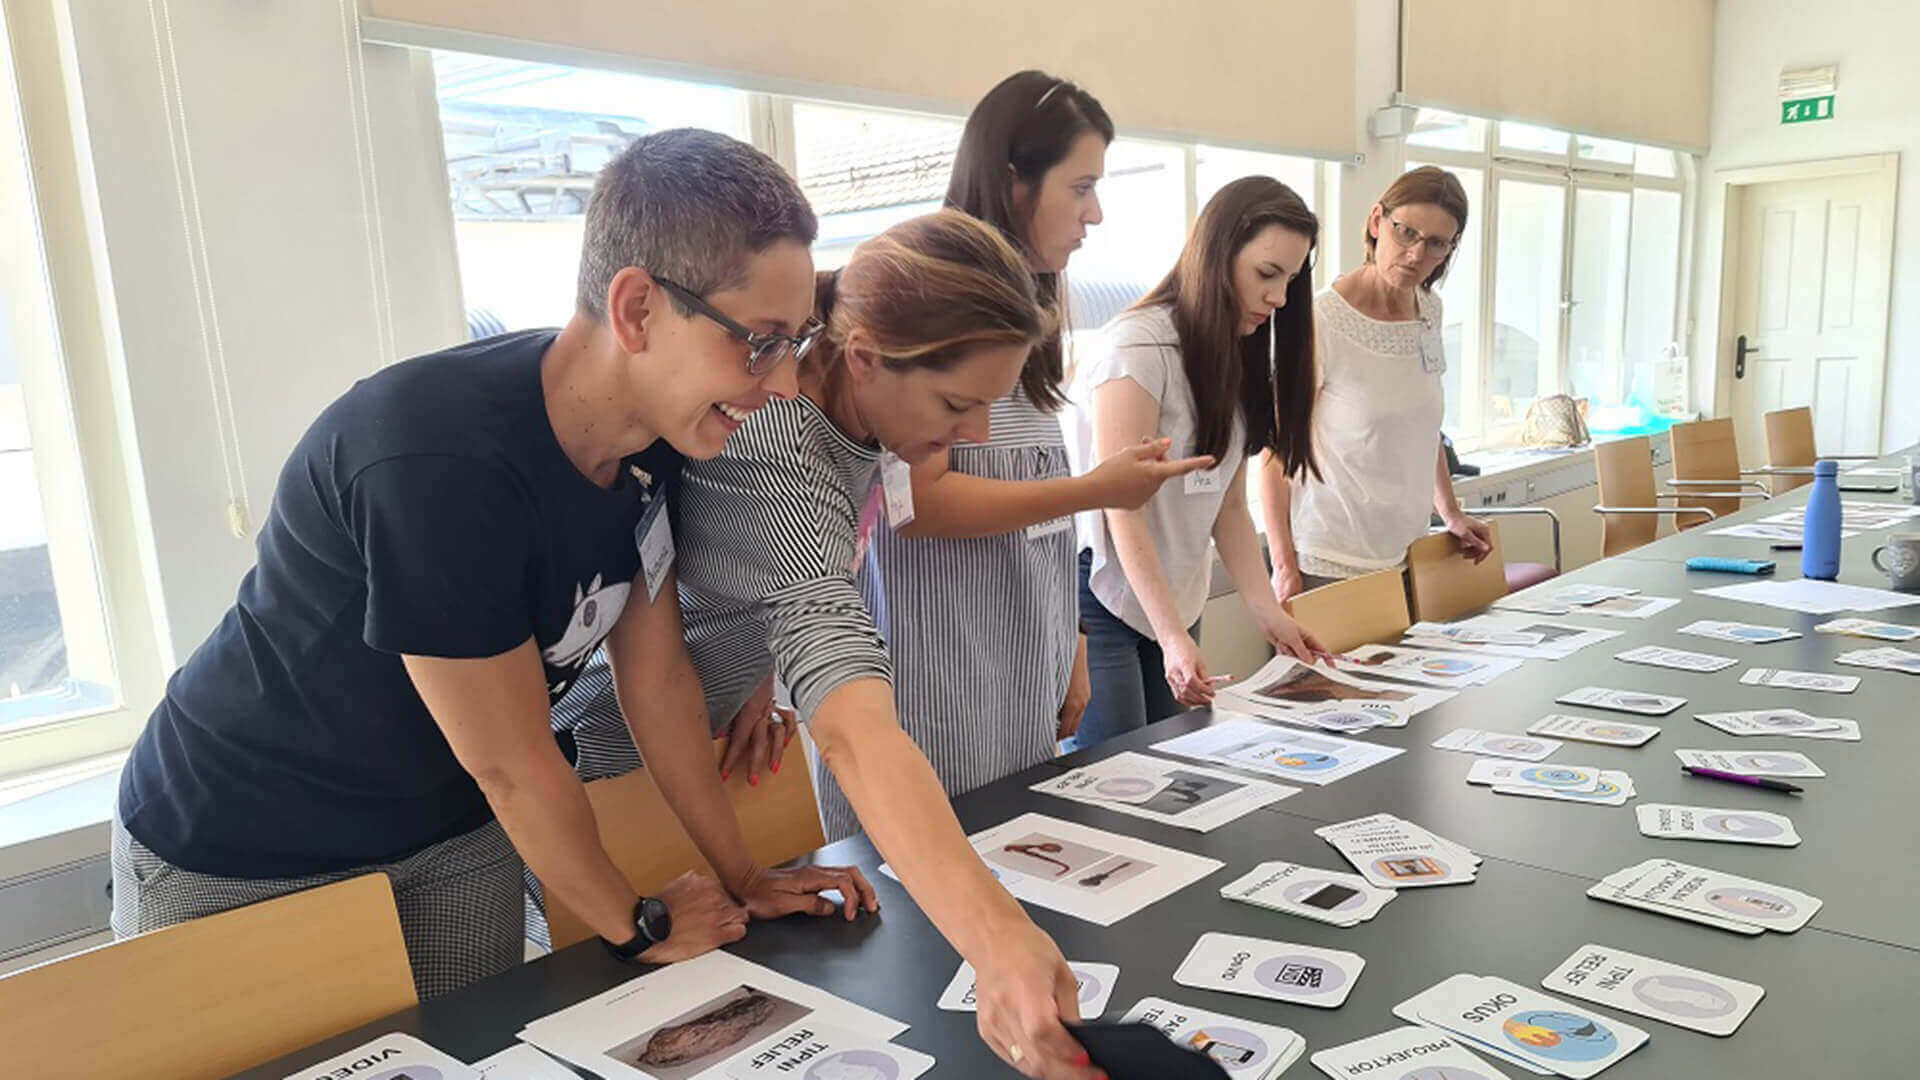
x=1812 y=309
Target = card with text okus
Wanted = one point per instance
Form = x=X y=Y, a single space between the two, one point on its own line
x=1280 y=970
x=1682 y=996
x=1670 y=822
x=1588 y=729
x=1565 y=1038
x=1410 y=1010
x=1408 y=1053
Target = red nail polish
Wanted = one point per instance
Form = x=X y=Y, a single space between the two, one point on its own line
x=725 y=775
x=753 y=781
x=1083 y=1059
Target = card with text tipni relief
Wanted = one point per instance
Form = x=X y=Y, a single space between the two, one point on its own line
x=1683 y=996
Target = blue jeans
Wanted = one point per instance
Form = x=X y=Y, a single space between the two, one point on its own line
x=1127 y=669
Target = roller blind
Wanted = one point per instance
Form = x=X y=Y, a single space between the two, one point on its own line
x=1265 y=74
x=1639 y=70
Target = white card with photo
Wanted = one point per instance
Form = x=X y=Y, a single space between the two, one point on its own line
x=1744 y=633
x=1284 y=687
x=1671 y=822
x=1611 y=889
x=1633 y=607
x=1247 y=1050
x=692 y=1019
x=1723 y=895
x=1283 y=971
x=394 y=1054
x=1327 y=896
x=1614 y=789
x=1632 y=701
x=1791 y=722
x=809 y=1049
x=1801 y=680
x=1096 y=982
x=1433 y=667
x=1497 y=743
x=1530 y=605
x=1522 y=774
x=1428 y=1053
x=1752 y=762
x=1904 y=661
x=1870 y=628
x=1091 y=874
x=1556 y=640
x=1392 y=853
x=1568 y=1039
x=1679 y=659
x=1682 y=996
x=520 y=1062
x=1585 y=595
x=1300 y=756
x=1176 y=793
x=1410 y=1009
x=1588 y=729
x=1464 y=633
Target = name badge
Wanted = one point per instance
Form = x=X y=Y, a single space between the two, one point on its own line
x=1040 y=530
x=1433 y=356
x=1204 y=482
x=897 y=484
x=654 y=539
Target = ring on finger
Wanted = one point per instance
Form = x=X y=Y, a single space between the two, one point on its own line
x=1014 y=1053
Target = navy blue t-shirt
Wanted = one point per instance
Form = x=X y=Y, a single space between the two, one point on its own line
x=429 y=511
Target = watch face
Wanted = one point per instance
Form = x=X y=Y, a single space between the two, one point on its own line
x=654 y=921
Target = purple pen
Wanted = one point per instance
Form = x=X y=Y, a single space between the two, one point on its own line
x=1737 y=778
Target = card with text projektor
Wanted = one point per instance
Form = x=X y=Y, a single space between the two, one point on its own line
x=1588 y=729
x=1408 y=1053
x=1562 y=1037
x=1300 y=974
x=1670 y=822
x=1682 y=996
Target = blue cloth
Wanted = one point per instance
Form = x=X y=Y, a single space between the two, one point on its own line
x=429 y=511
x=1126 y=668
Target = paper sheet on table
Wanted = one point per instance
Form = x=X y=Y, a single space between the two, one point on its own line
x=1187 y=795
x=1778 y=533
x=1091 y=874
x=522 y=1062
x=1813 y=597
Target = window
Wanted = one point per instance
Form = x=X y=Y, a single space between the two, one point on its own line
x=1214 y=167
x=1530 y=139
x=866 y=169
x=1143 y=206
x=1656 y=381
x=1441 y=130
x=1460 y=304
x=1597 y=296
x=1526 y=300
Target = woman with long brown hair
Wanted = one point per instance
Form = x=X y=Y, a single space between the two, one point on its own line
x=1218 y=358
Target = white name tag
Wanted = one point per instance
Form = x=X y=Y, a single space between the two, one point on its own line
x=1204 y=482
x=654 y=537
x=1040 y=530
x=897 y=483
x=1433 y=356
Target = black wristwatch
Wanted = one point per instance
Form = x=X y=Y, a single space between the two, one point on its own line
x=651 y=924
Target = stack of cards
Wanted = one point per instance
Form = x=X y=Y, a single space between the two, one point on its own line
x=1587 y=729
x=1633 y=607
x=1570 y=783
x=1669 y=822
x=1745 y=633
x=1660 y=656
x=1752 y=763
x=1320 y=695
x=1868 y=628
x=1681 y=996
x=1280 y=970
x=1886 y=659
x=1326 y=896
x=1781 y=722
x=399 y=1055
x=1248 y=1051
x=1633 y=701
x=1393 y=853
x=1451 y=670
x=1474 y=741
x=1171 y=792
x=1706 y=896
x=1801 y=680
x=1523 y=1026
x=1433 y=1055
x=1096 y=982
x=1507 y=635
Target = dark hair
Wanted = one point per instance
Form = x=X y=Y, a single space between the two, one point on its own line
x=927 y=292
x=691 y=206
x=1428 y=185
x=1225 y=370
x=1029 y=121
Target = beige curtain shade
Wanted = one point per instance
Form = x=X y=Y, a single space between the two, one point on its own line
x=1261 y=74
x=1638 y=70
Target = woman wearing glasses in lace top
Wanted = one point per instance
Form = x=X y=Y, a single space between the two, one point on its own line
x=1377 y=408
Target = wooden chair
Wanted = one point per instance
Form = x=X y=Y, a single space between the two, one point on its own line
x=1359 y=611
x=1629 y=506
x=215 y=995
x=1525 y=575
x=1445 y=585
x=1790 y=449
x=780 y=817
x=1706 y=456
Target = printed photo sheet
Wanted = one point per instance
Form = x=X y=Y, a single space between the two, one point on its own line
x=1303 y=757
x=1285 y=688
x=1176 y=793
x=1091 y=874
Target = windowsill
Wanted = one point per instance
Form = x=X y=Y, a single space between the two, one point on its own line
x=51 y=802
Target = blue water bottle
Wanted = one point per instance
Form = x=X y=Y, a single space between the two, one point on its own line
x=1820 y=540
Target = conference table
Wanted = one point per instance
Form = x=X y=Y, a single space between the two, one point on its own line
x=1840 y=994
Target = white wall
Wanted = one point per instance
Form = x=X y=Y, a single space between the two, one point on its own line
x=1876 y=110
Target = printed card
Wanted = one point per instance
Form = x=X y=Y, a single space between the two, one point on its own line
x=1614 y=789
x=396 y=1055
x=1886 y=659
x=1586 y=729
x=1410 y=1009
x=1516 y=774
x=1752 y=762
x=1565 y=1038
x=1248 y=1051
x=1633 y=701
x=1682 y=996
x=1745 y=633
x=1667 y=821
x=1427 y=1053
x=1711 y=892
x=1633 y=607
x=808 y=1048
x=1869 y=628
x=1781 y=722
x=1680 y=659
x=1300 y=974
x=1096 y=986
x=1396 y=854
x=1475 y=741
x=1801 y=680
x=1171 y=792
x=1322 y=895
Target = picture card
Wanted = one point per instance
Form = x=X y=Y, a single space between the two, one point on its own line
x=1393 y=853
x=1869 y=628
x=1568 y=1039
x=1586 y=595
x=1556 y=640
x=1682 y=996
x=1449 y=670
x=1781 y=722
x=1247 y=1050
x=397 y=1056
x=1588 y=729
x=1283 y=971
x=1745 y=633
x=1680 y=659
x=1091 y=874
x=1284 y=686
x=1713 y=892
x=1327 y=896
x=1176 y=793
x=1886 y=659
x=810 y=1049
x=1519 y=774
x=1752 y=762
x=1410 y=1009
x=1305 y=757
x=1613 y=889
x=1801 y=680
x=1614 y=789
x=1499 y=744
x=1670 y=822
x=1633 y=607
x=1429 y=1055
x=1633 y=701
x=1096 y=982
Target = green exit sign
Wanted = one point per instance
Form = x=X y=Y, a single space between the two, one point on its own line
x=1805 y=110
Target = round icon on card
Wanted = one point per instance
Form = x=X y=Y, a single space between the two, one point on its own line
x=1554 y=776
x=1683 y=995
x=1506 y=745
x=1605 y=731
x=1444 y=1072
x=1746 y=826
x=1784 y=721
x=1230 y=1046
x=1297 y=973
x=1560 y=1036
x=1752 y=903
x=1766 y=763
x=1448 y=667
x=1607 y=790
x=1345 y=721
x=854 y=1064
x=1090 y=985
x=1123 y=787
x=1806 y=681
x=1307 y=762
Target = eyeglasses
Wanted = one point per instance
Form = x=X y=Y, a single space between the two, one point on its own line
x=763 y=350
x=1408 y=237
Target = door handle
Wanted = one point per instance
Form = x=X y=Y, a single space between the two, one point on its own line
x=1740 y=351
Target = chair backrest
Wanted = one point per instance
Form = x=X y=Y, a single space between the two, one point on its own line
x=215 y=995
x=1625 y=470
x=780 y=818
x=1365 y=610
x=1789 y=444
x=1705 y=450
x=1445 y=584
